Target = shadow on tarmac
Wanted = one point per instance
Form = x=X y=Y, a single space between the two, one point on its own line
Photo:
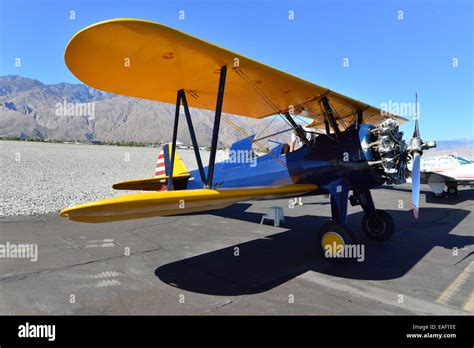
x=267 y=262
x=462 y=196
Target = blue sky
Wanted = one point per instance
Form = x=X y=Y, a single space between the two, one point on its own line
x=390 y=58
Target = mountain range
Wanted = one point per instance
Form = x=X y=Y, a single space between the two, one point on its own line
x=32 y=109
x=462 y=147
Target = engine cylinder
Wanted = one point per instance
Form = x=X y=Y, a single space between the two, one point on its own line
x=385 y=149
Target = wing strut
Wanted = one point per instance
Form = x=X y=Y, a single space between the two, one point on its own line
x=360 y=118
x=181 y=100
x=193 y=135
x=327 y=127
x=215 y=130
x=299 y=131
x=331 y=117
x=173 y=147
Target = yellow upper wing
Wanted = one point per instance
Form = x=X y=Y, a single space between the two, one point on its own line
x=145 y=59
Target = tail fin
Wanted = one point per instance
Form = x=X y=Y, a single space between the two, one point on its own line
x=160 y=164
x=240 y=153
x=163 y=163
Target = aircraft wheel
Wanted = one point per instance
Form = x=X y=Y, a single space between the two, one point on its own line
x=333 y=238
x=379 y=228
x=452 y=190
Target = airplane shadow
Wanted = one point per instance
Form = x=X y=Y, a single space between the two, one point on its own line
x=272 y=260
x=462 y=196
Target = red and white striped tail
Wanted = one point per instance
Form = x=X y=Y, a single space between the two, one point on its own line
x=160 y=164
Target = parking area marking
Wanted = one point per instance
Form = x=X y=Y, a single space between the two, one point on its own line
x=104 y=243
x=381 y=295
x=454 y=287
x=469 y=304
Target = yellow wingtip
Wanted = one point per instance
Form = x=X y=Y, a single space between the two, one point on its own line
x=64 y=213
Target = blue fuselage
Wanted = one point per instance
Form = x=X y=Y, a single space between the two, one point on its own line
x=328 y=162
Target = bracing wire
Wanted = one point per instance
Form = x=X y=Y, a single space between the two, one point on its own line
x=245 y=134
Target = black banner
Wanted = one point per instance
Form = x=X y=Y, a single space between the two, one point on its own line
x=407 y=330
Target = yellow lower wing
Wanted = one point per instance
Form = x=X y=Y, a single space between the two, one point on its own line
x=163 y=203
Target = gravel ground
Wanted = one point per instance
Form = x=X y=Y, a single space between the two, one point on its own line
x=39 y=178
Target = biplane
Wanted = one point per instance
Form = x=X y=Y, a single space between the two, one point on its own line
x=357 y=148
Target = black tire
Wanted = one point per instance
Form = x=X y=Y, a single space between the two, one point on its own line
x=380 y=228
x=452 y=190
x=334 y=231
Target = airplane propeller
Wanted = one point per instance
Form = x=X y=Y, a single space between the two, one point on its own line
x=415 y=183
x=416 y=150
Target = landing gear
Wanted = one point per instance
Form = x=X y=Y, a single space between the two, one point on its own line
x=334 y=237
x=379 y=226
x=452 y=190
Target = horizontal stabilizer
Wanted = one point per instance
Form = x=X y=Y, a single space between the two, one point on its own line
x=148 y=184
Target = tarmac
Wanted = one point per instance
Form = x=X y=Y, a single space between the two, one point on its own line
x=227 y=263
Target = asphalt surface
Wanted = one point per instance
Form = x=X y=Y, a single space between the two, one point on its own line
x=225 y=262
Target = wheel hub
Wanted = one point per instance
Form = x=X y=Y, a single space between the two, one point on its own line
x=376 y=225
x=332 y=240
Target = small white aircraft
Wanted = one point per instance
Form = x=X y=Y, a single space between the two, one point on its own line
x=444 y=174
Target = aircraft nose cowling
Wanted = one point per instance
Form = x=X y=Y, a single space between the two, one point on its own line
x=384 y=148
